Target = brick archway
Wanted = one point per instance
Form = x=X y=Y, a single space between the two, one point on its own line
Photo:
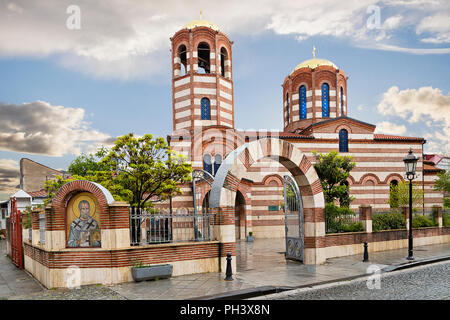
x=226 y=183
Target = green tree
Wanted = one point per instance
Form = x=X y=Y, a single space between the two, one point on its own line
x=393 y=196
x=402 y=192
x=443 y=184
x=148 y=168
x=333 y=171
x=84 y=164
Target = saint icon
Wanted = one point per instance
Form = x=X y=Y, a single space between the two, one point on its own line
x=84 y=231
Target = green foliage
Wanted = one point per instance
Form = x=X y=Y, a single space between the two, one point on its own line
x=393 y=196
x=333 y=171
x=443 y=184
x=85 y=165
x=26 y=217
x=147 y=168
x=446 y=219
x=337 y=219
x=420 y=221
x=250 y=233
x=388 y=221
x=402 y=190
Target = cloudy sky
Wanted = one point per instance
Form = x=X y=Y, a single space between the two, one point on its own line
x=68 y=87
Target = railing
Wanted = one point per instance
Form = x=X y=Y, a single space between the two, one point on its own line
x=42 y=228
x=334 y=224
x=165 y=227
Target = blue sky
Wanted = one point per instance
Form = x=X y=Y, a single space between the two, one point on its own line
x=63 y=91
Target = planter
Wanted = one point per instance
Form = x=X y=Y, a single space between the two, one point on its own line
x=152 y=272
x=250 y=238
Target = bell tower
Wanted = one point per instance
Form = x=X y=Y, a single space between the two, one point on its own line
x=202 y=77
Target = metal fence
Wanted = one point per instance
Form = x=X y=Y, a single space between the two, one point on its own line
x=337 y=223
x=165 y=227
x=42 y=228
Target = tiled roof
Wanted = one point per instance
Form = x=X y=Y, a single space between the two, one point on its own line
x=428 y=167
x=38 y=194
x=277 y=134
x=390 y=137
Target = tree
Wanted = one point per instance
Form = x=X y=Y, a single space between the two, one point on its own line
x=443 y=184
x=146 y=167
x=85 y=165
x=333 y=171
x=402 y=192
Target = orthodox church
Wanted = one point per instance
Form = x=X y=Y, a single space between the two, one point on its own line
x=314 y=107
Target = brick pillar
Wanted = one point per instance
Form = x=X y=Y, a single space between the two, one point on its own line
x=437 y=213
x=35 y=233
x=365 y=215
x=405 y=210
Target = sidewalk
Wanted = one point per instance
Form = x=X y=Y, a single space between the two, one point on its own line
x=261 y=263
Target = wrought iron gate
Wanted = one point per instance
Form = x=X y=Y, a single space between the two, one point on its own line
x=293 y=220
x=16 y=235
x=201 y=184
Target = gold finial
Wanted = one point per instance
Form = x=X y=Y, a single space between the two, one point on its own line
x=314 y=52
x=200 y=14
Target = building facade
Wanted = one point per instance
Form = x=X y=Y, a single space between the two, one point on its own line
x=314 y=107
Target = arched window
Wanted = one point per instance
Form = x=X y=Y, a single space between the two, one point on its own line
x=183 y=61
x=287 y=108
x=223 y=58
x=302 y=101
x=217 y=162
x=206 y=109
x=342 y=101
x=207 y=163
x=393 y=194
x=343 y=140
x=325 y=100
x=203 y=58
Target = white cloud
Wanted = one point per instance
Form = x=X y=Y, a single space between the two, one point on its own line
x=9 y=176
x=126 y=40
x=439 y=25
x=425 y=105
x=41 y=128
x=390 y=128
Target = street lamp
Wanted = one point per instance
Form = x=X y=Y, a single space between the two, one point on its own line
x=410 y=161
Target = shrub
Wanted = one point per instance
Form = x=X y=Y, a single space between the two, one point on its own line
x=388 y=221
x=446 y=219
x=420 y=221
x=337 y=219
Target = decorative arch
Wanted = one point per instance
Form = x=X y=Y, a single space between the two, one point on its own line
x=273 y=177
x=369 y=176
x=343 y=126
x=351 y=180
x=393 y=176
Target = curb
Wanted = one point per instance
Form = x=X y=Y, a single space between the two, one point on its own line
x=269 y=290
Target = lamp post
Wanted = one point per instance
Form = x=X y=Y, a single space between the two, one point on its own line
x=410 y=161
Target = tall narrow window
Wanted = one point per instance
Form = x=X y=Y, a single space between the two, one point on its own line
x=217 y=162
x=223 y=58
x=325 y=101
x=203 y=58
x=342 y=101
x=287 y=108
x=207 y=163
x=206 y=109
x=302 y=102
x=183 y=61
x=343 y=140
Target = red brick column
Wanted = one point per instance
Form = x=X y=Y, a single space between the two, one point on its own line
x=365 y=216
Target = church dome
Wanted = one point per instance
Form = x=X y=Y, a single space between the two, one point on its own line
x=314 y=63
x=201 y=23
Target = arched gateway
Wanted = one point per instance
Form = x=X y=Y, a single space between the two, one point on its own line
x=232 y=170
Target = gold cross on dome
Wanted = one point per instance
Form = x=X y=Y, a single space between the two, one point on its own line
x=314 y=52
x=200 y=14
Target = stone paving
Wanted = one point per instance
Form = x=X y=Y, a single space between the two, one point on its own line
x=260 y=263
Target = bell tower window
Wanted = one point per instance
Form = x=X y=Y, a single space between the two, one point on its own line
x=207 y=163
x=287 y=108
x=183 y=60
x=325 y=100
x=342 y=101
x=343 y=140
x=203 y=58
x=223 y=58
x=205 y=109
x=302 y=102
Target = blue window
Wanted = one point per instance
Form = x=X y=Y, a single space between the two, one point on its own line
x=342 y=101
x=206 y=109
x=217 y=162
x=343 y=140
x=325 y=101
x=207 y=163
x=287 y=107
x=302 y=97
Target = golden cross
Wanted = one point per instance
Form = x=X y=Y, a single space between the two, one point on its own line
x=200 y=14
x=314 y=52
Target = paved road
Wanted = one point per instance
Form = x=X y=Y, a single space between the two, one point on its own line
x=429 y=282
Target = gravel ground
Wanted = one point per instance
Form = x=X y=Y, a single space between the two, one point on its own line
x=430 y=282
x=93 y=292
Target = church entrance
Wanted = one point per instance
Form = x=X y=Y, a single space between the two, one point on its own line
x=240 y=221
